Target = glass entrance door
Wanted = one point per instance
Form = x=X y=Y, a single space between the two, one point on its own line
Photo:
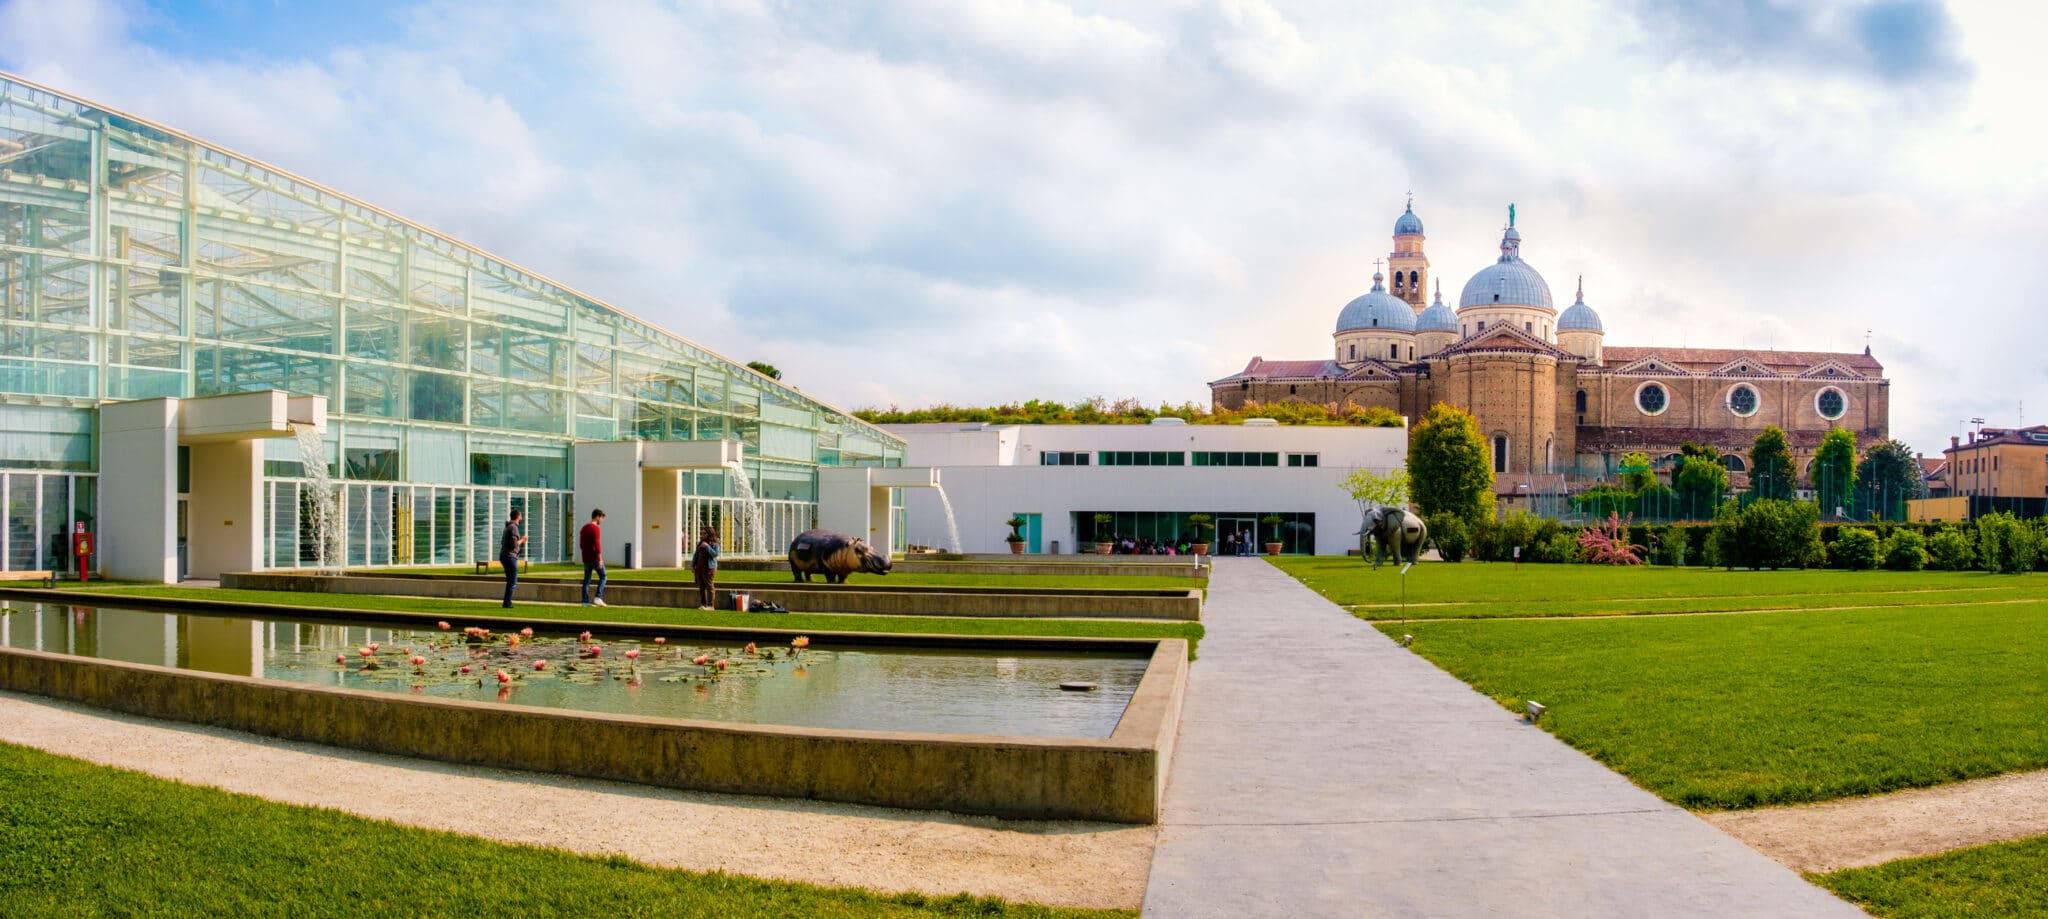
x=1034 y=529
x=1245 y=527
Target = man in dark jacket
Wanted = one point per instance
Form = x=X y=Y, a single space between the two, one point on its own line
x=509 y=545
x=590 y=542
x=704 y=564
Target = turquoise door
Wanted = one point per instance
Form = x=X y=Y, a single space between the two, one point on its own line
x=1034 y=528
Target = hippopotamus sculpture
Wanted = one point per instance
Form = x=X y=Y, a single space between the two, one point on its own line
x=1393 y=530
x=834 y=555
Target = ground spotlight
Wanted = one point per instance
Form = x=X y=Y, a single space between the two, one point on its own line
x=1407 y=640
x=1535 y=710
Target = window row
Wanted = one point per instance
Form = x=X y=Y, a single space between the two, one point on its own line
x=1741 y=401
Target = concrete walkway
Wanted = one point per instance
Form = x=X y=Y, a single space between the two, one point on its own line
x=1322 y=770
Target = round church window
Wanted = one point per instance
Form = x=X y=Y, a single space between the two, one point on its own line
x=1652 y=399
x=1742 y=400
x=1831 y=403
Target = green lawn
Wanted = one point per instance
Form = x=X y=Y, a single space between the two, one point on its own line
x=819 y=622
x=2003 y=879
x=87 y=840
x=1747 y=710
x=1467 y=590
x=901 y=579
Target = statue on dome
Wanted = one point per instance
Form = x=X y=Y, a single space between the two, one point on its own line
x=1511 y=215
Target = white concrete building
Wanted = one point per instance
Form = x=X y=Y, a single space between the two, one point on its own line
x=1148 y=478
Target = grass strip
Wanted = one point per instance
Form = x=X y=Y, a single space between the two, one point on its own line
x=1997 y=880
x=901 y=578
x=1725 y=712
x=1628 y=606
x=822 y=622
x=89 y=840
x=1350 y=582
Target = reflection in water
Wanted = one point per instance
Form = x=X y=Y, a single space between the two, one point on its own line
x=939 y=690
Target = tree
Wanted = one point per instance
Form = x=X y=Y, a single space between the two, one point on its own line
x=1770 y=466
x=1636 y=473
x=765 y=369
x=1448 y=469
x=1834 y=471
x=1700 y=483
x=1887 y=478
x=1377 y=489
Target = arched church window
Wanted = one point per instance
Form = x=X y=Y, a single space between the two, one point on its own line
x=1394 y=352
x=1579 y=401
x=1415 y=280
x=1500 y=453
x=1354 y=351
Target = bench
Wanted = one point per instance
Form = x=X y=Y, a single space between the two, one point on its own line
x=49 y=578
x=484 y=567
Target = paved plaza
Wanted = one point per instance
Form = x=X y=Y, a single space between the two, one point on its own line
x=1322 y=770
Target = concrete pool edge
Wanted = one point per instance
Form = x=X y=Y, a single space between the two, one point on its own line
x=1118 y=779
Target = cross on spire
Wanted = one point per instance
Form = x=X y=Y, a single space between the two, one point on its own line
x=1582 y=287
x=1376 y=266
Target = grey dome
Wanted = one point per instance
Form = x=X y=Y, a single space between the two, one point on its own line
x=1579 y=317
x=1408 y=222
x=1509 y=281
x=1439 y=317
x=1377 y=310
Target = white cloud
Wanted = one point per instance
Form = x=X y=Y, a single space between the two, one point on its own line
x=1006 y=200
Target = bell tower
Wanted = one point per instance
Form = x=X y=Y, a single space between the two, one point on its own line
x=1408 y=266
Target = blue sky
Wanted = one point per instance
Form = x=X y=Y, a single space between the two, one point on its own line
x=936 y=200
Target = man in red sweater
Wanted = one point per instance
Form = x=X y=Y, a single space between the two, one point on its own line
x=590 y=541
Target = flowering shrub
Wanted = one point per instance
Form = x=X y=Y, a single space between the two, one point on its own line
x=1607 y=544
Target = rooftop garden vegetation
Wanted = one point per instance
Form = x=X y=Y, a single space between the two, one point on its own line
x=1130 y=411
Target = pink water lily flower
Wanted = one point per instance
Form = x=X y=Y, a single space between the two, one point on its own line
x=721 y=663
x=366 y=652
x=443 y=624
x=801 y=641
x=660 y=641
x=701 y=659
x=632 y=653
x=373 y=646
x=526 y=632
x=504 y=677
x=465 y=668
x=750 y=647
x=341 y=658
x=585 y=638
x=418 y=660
x=540 y=665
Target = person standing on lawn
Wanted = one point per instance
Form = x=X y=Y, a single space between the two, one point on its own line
x=509 y=545
x=590 y=542
x=704 y=564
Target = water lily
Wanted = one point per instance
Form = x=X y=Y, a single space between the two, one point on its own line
x=443 y=624
x=366 y=652
x=632 y=653
x=504 y=677
x=540 y=665
x=526 y=632
x=465 y=668
x=585 y=637
x=418 y=661
x=660 y=640
x=750 y=647
x=801 y=641
x=701 y=659
x=373 y=646
x=341 y=658
x=721 y=663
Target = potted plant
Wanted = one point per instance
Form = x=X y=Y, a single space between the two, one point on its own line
x=1103 y=546
x=1016 y=537
x=1202 y=524
x=1272 y=522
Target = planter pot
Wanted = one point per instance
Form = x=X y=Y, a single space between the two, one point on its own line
x=1200 y=548
x=1016 y=548
x=1272 y=548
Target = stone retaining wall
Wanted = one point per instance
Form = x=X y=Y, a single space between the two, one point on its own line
x=871 y=599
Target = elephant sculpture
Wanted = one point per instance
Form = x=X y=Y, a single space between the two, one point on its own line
x=1392 y=530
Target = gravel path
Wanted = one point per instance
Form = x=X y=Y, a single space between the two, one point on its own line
x=1856 y=832
x=837 y=845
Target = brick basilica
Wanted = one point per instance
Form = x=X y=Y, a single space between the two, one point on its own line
x=1556 y=403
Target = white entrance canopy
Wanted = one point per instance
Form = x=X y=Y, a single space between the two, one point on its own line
x=855 y=500
x=139 y=444
x=638 y=485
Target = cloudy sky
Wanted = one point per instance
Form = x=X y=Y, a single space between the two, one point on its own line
x=915 y=202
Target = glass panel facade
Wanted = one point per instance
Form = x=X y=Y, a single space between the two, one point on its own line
x=443 y=366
